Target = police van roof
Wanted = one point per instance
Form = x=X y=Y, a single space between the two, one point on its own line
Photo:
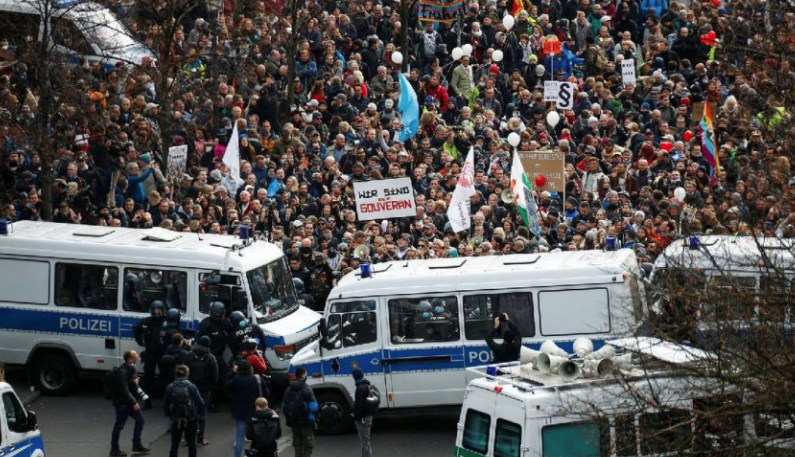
x=476 y=273
x=728 y=252
x=140 y=246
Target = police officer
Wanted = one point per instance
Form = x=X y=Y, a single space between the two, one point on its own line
x=150 y=334
x=243 y=330
x=172 y=326
x=217 y=329
x=321 y=279
x=304 y=298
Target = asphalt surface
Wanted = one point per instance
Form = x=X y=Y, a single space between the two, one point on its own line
x=79 y=425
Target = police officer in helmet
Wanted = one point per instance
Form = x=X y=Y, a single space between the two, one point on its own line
x=243 y=330
x=304 y=298
x=217 y=329
x=150 y=333
x=172 y=325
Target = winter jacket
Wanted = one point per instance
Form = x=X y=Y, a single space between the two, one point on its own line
x=243 y=391
x=360 y=399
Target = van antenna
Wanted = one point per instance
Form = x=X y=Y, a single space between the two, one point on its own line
x=200 y=236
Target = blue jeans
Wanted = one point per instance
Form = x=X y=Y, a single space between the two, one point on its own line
x=123 y=411
x=240 y=435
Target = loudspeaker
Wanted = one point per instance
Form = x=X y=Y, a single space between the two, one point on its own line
x=553 y=349
x=568 y=371
x=623 y=362
x=606 y=352
x=594 y=368
x=527 y=355
x=583 y=346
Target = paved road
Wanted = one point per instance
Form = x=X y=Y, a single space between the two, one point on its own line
x=79 y=426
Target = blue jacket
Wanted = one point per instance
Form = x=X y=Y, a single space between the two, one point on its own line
x=243 y=391
x=136 y=189
x=299 y=385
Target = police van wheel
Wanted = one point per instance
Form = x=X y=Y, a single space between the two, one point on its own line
x=334 y=414
x=54 y=375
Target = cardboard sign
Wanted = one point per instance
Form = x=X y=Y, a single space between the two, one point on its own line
x=628 y=72
x=562 y=93
x=548 y=163
x=384 y=199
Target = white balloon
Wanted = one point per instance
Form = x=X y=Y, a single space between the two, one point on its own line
x=514 y=139
x=508 y=22
x=467 y=48
x=680 y=193
x=497 y=55
x=457 y=53
x=397 y=57
x=553 y=118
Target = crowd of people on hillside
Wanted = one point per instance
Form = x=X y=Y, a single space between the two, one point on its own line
x=628 y=148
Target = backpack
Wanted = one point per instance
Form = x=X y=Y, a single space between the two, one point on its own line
x=601 y=59
x=197 y=367
x=182 y=407
x=110 y=383
x=295 y=411
x=373 y=401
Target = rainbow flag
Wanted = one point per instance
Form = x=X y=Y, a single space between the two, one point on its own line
x=708 y=140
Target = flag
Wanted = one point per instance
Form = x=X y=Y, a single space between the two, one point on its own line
x=708 y=139
x=522 y=191
x=409 y=109
x=516 y=7
x=232 y=155
x=445 y=11
x=459 y=214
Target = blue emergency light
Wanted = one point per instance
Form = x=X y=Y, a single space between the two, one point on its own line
x=367 y=272
x=244 y=233
x=3 y=226
x=693 y=242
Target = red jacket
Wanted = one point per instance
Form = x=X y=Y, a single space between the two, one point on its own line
x=257 y=362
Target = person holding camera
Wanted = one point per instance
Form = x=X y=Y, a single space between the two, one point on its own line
x=508 y=350
x=125 y=387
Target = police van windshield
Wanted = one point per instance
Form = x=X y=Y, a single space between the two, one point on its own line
x=272 y=290
x=104 y=29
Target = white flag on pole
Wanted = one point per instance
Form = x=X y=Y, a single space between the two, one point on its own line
x=459 y=214
x=232 y=155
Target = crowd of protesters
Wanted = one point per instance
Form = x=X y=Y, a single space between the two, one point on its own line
x=627 y=147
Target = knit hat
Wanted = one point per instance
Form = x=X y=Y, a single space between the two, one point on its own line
x=357 y=374
x=204 y=341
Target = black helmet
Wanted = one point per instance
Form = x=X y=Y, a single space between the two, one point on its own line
x=238 y=319
x=157 y=309
x=172 y=316
x=299 y=285
x=217 y=310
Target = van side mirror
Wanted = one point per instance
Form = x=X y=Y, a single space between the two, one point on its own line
x=321 y=325
x=32 y=422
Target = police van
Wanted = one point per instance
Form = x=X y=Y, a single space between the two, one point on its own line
x=639 y=397
x=71 y=294
x=19 y=432
x=77 y=29
x=728 y=261
x=413 y=327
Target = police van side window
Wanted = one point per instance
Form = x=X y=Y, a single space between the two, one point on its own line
x=351 y=324
x=507 y=439
x=15 y=414
x=15 y=275
x=479 y=312
x=424 y=320
x=86 y=286
x=574 y=311
x=575 y=439
x=143 y=286
x=476 y=432
x=665 y=432
x=21 y=29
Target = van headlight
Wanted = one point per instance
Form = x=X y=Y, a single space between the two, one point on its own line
x=285 y=352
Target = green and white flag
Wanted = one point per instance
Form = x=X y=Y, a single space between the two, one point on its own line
x=522 y=191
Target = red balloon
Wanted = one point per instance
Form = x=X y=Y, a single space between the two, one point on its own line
x=494 y=68
x=667 y=145
x=688 y=135
x=541 y=180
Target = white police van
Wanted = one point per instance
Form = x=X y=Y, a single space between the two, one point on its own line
x=644 y=402
x=77 y=29
x=19 y=433
x=414 y=326
x=71 y=294
x=727 y=261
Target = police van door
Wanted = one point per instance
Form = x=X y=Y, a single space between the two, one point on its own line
x=353 y=339
x=19 y=436
x=424 y=354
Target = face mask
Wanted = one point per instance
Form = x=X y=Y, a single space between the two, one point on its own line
x=438 y=310
x=242 y=324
